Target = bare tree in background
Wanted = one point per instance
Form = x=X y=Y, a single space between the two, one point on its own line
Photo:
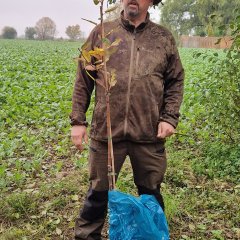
x=73 y=32
x=45 y=28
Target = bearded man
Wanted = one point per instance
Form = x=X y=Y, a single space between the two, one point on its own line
x=144 y=106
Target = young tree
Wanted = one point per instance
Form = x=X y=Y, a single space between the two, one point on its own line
x=30 y=32
x=9 y=33
x=45 y=28
x=73 y=32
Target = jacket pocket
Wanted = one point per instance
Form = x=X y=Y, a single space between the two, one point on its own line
x=149 y=61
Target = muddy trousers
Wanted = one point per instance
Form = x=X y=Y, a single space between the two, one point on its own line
x=148 y=162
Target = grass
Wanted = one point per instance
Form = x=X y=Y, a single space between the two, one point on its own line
x=43 y=178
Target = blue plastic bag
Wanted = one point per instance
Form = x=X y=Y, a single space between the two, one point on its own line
x=136 y=218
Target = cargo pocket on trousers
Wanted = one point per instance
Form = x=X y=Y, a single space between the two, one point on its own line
x=98 y=165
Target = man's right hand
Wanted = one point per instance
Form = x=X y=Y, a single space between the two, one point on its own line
x=78 y=135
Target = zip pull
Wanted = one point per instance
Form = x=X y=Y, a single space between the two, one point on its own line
x=134 y=33
x=137 y=61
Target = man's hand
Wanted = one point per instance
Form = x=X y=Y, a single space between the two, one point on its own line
x=78 y=134
x=165 y=130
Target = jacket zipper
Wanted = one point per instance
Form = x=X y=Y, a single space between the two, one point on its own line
x=137 y=60
x=129 y=82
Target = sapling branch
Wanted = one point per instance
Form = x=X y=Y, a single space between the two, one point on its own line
x=89 y=21
x=90 y=75
x=111 y=168
x=102 y=55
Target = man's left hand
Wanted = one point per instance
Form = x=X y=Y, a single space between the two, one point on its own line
x=165 y=130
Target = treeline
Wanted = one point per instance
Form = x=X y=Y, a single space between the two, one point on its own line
x=198 y=17
x=45 y=29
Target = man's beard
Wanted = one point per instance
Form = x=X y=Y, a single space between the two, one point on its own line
x=132 y=12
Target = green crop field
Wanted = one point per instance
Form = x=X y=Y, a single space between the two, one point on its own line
x=43 y=178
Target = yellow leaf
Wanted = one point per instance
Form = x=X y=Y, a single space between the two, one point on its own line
x=85 y=46
x=86 y=55
x=97 y=53
x=116 y=42
x=112 y=79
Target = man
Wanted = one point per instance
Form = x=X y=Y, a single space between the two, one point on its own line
x=144 y=107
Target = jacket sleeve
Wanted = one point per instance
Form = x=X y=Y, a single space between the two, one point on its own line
x=83 y=88
x=173 y=87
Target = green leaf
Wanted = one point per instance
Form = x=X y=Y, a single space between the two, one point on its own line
x=106 y=42
x=96 y=2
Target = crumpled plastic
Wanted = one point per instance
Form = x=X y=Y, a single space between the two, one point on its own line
x=136 y=218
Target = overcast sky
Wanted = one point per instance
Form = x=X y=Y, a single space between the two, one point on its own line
x=25 y=13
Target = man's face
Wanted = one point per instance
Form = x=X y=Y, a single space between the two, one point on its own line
x=136 y=8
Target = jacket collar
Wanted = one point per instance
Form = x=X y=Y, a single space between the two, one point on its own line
x=128 y=26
